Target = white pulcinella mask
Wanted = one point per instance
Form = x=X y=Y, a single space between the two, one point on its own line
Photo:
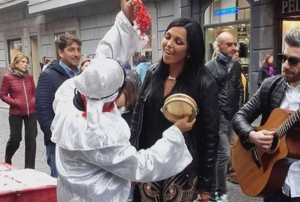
x=100 y=83
x=101 y=79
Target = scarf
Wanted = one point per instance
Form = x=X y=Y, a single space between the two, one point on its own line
x=225 y=61
x=271 y=70
x=17 y=72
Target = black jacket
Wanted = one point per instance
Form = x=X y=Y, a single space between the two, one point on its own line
x=263 y=73
x=231 y=93
x=49 y=82
x=203 y=139
x=268 y=97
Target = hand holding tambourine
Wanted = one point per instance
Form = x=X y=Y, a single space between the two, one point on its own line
x=178 y=106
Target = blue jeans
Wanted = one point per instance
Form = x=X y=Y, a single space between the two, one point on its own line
x=281 y=197
x=50 y=154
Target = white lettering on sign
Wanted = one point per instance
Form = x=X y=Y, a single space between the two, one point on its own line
x=290 y=6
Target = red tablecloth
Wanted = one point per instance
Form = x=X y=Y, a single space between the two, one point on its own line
x=25 y=194
x=41 y=194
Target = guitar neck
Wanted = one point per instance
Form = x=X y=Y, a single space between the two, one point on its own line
x=288 y=123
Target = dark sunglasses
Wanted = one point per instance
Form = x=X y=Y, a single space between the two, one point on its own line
x=231 y=44
x=293 y=61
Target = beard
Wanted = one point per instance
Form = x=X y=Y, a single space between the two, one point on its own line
x=292 y=77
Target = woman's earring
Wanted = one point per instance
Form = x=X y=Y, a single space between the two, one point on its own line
x=188 y=57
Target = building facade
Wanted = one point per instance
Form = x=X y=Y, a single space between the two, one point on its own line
x=261 y=24
x=33 y=26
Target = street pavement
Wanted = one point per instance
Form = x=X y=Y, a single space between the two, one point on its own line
x=234 y=191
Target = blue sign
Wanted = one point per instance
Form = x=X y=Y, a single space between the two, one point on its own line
x=226 y=11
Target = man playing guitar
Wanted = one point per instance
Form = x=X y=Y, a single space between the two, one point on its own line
x=279 y=91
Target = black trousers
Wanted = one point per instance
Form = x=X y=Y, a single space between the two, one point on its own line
x=16 y=123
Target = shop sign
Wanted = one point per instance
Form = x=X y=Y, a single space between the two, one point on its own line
x=288 y=7
x=226 y=11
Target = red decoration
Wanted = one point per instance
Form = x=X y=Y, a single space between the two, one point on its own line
x=85 y=103
x=143 y=18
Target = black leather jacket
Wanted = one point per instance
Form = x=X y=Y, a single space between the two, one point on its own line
x=203 y=139
x=231 y=93
x=268 y=97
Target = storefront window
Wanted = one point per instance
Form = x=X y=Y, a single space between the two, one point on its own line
x=221 y=11
x=14 y=47
x=228 y=16
x=287 y=26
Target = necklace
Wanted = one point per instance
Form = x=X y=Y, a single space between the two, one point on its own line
x=172 y=78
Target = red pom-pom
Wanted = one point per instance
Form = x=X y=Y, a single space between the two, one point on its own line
x=143 y=18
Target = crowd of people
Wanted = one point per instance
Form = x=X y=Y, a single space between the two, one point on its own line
x=105 y=136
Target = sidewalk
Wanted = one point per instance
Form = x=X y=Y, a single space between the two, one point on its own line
x=3 y=105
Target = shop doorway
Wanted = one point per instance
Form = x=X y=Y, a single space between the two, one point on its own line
x=34 y=55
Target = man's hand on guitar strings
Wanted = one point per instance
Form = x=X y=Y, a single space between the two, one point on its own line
x=262 y=139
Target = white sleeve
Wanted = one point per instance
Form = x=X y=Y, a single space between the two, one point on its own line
x=167 y=157
x=121 y=41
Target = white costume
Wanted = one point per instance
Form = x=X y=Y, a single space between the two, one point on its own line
x=94 y=158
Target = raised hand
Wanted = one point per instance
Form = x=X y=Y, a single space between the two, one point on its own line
x=129 y=9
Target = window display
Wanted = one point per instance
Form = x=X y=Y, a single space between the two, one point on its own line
x=14 y=47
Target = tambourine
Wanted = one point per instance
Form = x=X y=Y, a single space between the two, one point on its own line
x=179 y=105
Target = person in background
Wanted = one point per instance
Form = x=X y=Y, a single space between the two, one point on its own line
x=227 y=74
x=47 y=62
x=267 y=70
x=42 y=63
x=142 y=67
x=127 y=100
x=126 y=103
x=126 y=65
x=69 y=50
x=85 y=62
x=18 y=91
x=236 y=57
x=231 y=172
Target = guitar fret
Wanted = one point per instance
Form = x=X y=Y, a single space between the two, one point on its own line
x=295 y=118
x=288 y=123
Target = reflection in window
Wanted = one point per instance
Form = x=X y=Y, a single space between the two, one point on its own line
x=14 y=47
x=221 y=11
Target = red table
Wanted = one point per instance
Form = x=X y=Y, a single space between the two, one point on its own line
x=25 y=194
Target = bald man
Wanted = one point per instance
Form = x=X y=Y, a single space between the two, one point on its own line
x=227 y=74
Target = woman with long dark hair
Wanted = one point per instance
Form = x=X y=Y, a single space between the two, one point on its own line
x=181 y=70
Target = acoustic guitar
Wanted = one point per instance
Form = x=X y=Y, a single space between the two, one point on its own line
x=263 y=173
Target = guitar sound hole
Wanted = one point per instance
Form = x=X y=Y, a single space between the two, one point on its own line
x=274 y=144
